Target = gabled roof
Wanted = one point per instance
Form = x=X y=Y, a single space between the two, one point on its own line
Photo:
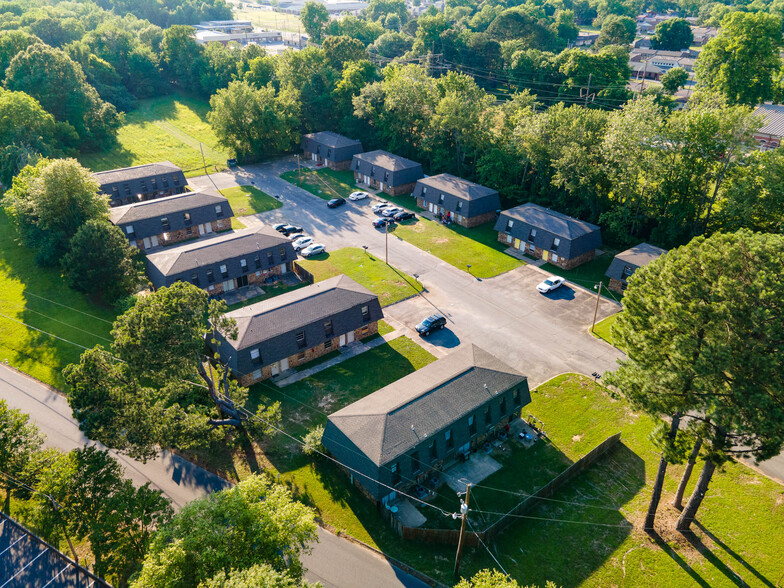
x=138 y=171
x=773 y=114
x=168 y=205
x=398 y=417
x=292 y=310
x=459 y=187
x=386 y=160
x=209 y=251
x=637 y=256
x=549 y=220
x=331 y=139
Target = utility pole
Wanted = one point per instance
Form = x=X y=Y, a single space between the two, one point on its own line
x=588 y=89
x=464 y=513
x=644 y=73
x=596 y=310
x=299 y=171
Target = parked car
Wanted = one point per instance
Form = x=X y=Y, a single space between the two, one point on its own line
x=232 y=162
x=335 y=202
x=290 y=229
x=378 y=207
x=432 y=323
x=302 y=242
x=391 y=211
x=405 y=215
x=295 y=236
x=312 y=250
x=358 y=195
x=381 y=222
x=279 y=227
x=550 y=284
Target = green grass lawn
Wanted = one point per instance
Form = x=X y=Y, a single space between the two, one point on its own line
x=455 y=248
x=246 y=200
x=589 y=274
x=384 y=328
x=173 y=128
x=389 y=284
x=603 y=329
x=40 y=298
x=324 y=183
x=269 y=19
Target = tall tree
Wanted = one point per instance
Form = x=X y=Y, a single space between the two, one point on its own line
x=672 y=34
x=19 y=441
x=256 y=576
x=617 y=30
x=742 y=62
x=255 y=522
x=674 y=79
x=314 y=17
x=183 y=58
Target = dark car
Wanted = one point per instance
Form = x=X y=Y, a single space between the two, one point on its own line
x=335 y=202
x=405 y=215
x=380 y=223
x=232 y=162
x=290 y=230
x=430 y=324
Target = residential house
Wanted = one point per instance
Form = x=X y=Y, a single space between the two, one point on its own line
x=585 y=39
x=174 y=218
x=625 y=263
x=142 y=182
x=543 y=233
x=771 y=133
x=663 y=60
x=703 y=34
x=395 y=437
x=330 y=149
x=223 y=263
x=384 y=171
x=297 y=327
x=464 y=202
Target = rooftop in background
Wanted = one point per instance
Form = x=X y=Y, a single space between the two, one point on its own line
x=228 y=26
x=286 y=312
x=168 y=205
x=457 y=186
x=331 y=139
x=773 y=115
x=28 y=560
x=125 y=174
x=641 y=254
x=386 y=160
x=556 y=223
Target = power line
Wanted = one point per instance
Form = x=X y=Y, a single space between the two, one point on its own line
x=66 y=324
x=26 y=293
x=42 y=331
x=504 y=514
x=478 y=536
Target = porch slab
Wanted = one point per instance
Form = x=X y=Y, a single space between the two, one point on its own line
x=478 y=467
x=241 y=294
x=408 y=515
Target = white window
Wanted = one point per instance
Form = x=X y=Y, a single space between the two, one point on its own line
x=531 y=247
x=554 y=257
x=254 y=354
x=218 y=210
x=257 y=374
x=129 y=229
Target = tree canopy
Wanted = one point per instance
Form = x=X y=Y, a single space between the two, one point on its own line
x=672 y=34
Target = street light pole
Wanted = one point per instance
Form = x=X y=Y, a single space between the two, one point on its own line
x=596 y=310
x=299 y=171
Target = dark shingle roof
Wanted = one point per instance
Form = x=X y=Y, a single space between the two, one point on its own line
x=387 y=160
x=549 y=220
x=331 y=139
x=287 y=312
x=430 y=399
x=169 y=205
x=459 y=187
x=126 y=174
x=773 y=118
x=637 y=256
x=209 y=251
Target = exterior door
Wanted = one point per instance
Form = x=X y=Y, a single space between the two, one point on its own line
x=545 y=255
x=367 y=180
x=284 y=364
x=431 y=206
x=283 y=268
x=208 y=228
x=342 y=340
x=274 y=369
x=517 y=243
x=349 y=337
x=201 y=229
x=228 y=285
x=154 y=240
x=242 y=281
x=146 y=242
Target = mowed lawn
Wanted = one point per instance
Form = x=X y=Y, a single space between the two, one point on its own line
x=603 y=329
x=172 y=128
x=324 y=183
x=270 y=19
x=246 y=200
x=388 y=283
x=40 y=298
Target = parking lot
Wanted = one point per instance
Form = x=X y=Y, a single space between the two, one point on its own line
x=541 y=335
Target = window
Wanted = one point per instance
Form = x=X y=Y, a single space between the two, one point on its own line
x=329 y=153
x=189 y=230
x=115 y=191
x=416 y=465
x=627 y=271
x=165 y=182
x=301 y=356
x=503 y=406
x=471 y=425
x=450 y=440
x=257 y=374
x=441 y=199
x=509 y=225
x=301 y=342
x=129 y=230
x=195 y=279
x=224 y=272
x=255 y=356
x=357 y=166
x=424 y=190
x=282 y=252
x=154 y=184
x=127 y=189
x=270 y=261
x=517 y=397
x=433 y=451
x=244 y=266
x=165 y=223
x=395 y=474
x=554 y=258
x=144 y=186
x=373 y=171
x=328 y=345
x=488 y=421
x=365 y=313
x=210 y=277
x=386 y=176
x=257 y=261
x=328 y=330
x=176 y=180
x=218 y=211
x=531 y=235
x=187 y=218
x=460 y=205
x=556 y=243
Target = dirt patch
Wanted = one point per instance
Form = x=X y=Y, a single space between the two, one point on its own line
x=577 y=438
x=326 y=401
x=441 y=241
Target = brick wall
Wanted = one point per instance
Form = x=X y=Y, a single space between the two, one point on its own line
x=616 y=285
x=339 y=165
x=222 y=224
x=178 y=236
x=480 y=219
x=537 y=253
x=400 y=190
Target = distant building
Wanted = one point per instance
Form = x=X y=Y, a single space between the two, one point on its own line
x=330 y=149
x=466 y=203
x=142 y=182
x=627 y=262
x=661 y=61
x=397 y=436
x=387 y=172
x=770 y=135
x=168 y=220
x=225 y=26
x=543 y=233
x=222 y=264
x=586 y=39
x=703 y=34
x=294 y=328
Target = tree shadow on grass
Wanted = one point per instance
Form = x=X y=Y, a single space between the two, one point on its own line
x=665 y=547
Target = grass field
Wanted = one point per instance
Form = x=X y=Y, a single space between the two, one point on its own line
x=269 y=19
x=324 y=183
x=603 y=329
x=39 y=297
x=245 y=200
x=172 y=128
x=389 y=284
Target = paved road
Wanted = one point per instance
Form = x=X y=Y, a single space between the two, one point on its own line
x=334 y=562
x=542 y=336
